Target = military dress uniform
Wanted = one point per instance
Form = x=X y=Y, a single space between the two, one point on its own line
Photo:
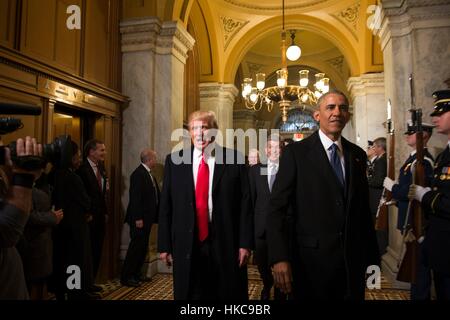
x=370 y=161
x=436 y=203
x=422 y=288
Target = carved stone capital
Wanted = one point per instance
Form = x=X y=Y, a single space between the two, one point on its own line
x=371 y=83
x=174 y=39
x=217 y=90
x=139 y=34
x=401 y=17
x=149 y=34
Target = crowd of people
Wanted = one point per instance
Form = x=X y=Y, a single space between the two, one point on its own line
x=50 y=222
x=306 y=209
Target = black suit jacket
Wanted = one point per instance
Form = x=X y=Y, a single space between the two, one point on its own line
x=333 y=227
x=143 y=203
x=437 y=204
x=98 y=207
x=260 y=194
x=231 y=225
x=379 y=172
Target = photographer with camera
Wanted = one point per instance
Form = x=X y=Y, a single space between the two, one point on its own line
x=15 y=205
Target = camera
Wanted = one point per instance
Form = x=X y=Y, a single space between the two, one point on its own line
x=58 y=153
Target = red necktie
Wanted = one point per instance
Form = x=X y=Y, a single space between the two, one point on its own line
x=99 y=177
x=201 y=199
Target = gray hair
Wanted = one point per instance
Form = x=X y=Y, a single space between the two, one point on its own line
x=147 y=154
x=381 y=142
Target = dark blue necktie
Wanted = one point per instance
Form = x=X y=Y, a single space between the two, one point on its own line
x=336 y=163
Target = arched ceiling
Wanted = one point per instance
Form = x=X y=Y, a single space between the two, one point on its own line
x=271 y=5
x=240 y=29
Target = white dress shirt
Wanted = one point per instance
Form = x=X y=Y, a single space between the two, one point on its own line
x=327 y=142
x=196 y=158
x=153 y=181
x=272 y=169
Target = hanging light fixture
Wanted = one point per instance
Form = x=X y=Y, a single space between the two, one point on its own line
x=283 y=93
x=294 y=52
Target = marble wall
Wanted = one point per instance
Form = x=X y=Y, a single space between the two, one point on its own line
x=153 y=57
x=219 y=98
x=369 y=108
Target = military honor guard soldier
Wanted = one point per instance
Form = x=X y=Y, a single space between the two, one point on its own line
x=436 y=202
x=421 y=289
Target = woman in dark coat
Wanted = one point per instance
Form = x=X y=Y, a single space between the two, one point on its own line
x=72 y=241
x=36 y=247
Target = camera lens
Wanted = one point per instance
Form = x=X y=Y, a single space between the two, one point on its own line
x=58 y=153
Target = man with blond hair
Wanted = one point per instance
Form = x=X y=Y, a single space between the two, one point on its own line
x=205 y=220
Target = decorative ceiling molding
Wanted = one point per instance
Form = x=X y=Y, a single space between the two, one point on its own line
x=253 y=5
x=230 y=28
x=254 y=68
x=349 y=18
x=337 y=63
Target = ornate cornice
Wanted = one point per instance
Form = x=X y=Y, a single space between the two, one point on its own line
x=139 y=34
x=150 y=34
x=253 y=5
x=370 y=83
x=41 y=72
x=217 y=90
x=349 y=17
x=400 y=18
x=174 y=39
x=231 y=27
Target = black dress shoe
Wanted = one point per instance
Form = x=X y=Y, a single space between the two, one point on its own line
x=130 y=283
x=145 y=279
x=93 y=296
x=95 y=288
x=265 y=294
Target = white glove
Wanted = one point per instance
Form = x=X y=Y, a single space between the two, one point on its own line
x=417 y=192
x=388 y=183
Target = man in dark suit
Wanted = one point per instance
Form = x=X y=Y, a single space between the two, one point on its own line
x=205 y=220
x=142 y=212
x=379 y=172
x=436 y=202
x=324 y=178
x=93 y=174
x=261 y=177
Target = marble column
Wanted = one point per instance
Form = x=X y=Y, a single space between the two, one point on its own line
x=414 y=39
x=369 y=107
x=244 y=119
x=154 y=54
x=219 y=97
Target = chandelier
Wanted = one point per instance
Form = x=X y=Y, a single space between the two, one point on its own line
x=283 y=93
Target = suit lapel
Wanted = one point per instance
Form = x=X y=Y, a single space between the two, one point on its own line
x=349 y=171
x=188 y=174
x=92 y=175
x=218 y=168
x=264 y=179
